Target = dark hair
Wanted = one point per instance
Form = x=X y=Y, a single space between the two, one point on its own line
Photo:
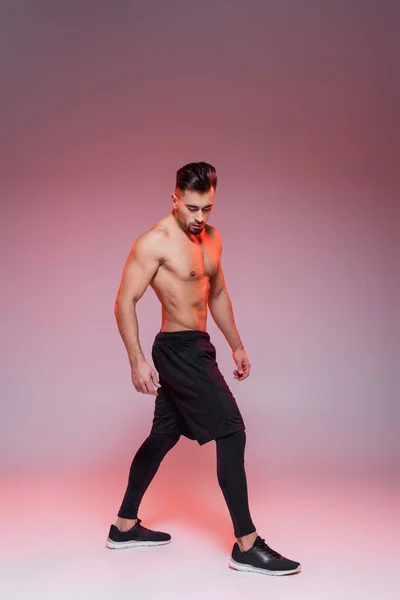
x=198 y=176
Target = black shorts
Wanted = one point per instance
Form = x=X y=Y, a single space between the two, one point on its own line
x=194 y=398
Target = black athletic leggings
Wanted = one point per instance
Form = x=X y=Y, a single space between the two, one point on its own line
x=230 y=471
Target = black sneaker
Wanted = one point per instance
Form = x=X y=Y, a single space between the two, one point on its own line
x=136 y=536
x=260 y=558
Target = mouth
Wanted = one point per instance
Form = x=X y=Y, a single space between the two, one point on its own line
x=197 y=226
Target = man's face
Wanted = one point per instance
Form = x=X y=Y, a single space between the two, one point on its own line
x=193 y=208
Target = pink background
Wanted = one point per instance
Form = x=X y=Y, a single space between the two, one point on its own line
x=296 y=105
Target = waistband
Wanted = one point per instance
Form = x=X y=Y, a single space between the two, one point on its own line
x=179 y=336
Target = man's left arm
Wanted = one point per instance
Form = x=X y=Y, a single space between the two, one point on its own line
x=221 y=310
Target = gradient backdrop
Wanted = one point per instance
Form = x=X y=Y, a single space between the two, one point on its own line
x=296 y=105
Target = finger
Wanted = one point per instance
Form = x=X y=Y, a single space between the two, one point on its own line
x=142 y=384
x=136 y=385
x=149 y=388
x=155 y=380
x=152 y=391
x=238 y=376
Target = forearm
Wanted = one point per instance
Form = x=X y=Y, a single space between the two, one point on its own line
x=222 y=312
x=125 y=314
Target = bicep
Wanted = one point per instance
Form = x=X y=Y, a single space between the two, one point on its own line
x=217 y=281
x=140 y=267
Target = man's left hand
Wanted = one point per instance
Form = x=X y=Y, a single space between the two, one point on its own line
x=243 y=365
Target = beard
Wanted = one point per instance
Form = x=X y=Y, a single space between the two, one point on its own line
x=196 y=230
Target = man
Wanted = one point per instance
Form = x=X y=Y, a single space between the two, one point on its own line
x=180 y=258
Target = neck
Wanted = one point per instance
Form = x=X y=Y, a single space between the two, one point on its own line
x=191 y=236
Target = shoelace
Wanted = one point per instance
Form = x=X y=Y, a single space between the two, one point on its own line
x=265 y=548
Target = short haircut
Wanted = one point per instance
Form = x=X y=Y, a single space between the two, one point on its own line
x=197 y=176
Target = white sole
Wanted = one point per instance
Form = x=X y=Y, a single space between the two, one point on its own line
x=240 y=567
x=132 y=543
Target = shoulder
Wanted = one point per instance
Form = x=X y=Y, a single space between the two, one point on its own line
x=151 y=243
x=214 y=235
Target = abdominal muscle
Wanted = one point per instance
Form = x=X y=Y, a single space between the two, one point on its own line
x=184 y=302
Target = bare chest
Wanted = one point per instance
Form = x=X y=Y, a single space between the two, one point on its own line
x=192 y=261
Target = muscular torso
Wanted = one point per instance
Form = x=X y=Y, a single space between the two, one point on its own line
x=182 y=279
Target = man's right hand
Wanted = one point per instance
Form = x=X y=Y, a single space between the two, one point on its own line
x=144 y=377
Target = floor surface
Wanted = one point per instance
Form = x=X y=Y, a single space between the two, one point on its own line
x=343 y=528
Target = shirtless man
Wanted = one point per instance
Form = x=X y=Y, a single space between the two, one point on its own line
x=180 y=258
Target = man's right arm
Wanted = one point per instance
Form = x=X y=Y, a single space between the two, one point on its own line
x=141 y=265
